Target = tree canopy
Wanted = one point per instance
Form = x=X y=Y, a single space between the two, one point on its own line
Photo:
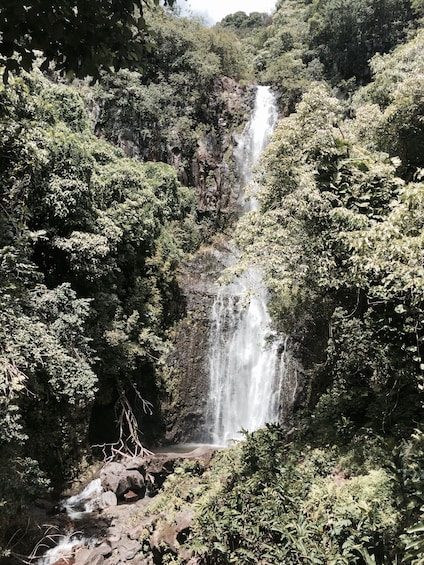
x=80 y=36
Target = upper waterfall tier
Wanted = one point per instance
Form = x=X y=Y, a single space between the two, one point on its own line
x=255 y=136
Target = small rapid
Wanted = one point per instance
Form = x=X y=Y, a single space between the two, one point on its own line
x=84 y=502
x=64 y=552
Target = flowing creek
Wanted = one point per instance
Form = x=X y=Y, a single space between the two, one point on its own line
x=77 y=508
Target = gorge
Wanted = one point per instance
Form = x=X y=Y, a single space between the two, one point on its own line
x=161 y=285
x=245 y=364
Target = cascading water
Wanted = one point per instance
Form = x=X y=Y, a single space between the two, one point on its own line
x=255 y=138
x=246 y=360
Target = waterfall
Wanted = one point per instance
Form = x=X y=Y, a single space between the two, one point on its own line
x=255 y=136
x=246 y=359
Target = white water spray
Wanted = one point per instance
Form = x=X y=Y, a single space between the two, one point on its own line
x=64 y=551
x=246 y=360
x=76 y=507
x=84 y=502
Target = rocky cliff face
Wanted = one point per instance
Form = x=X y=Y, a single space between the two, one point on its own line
x=212 y=171
x=186 y=377
x=186 y=374
x=200 y=152
x=208 y=166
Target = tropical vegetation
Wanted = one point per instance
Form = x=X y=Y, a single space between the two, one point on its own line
x=97 y=213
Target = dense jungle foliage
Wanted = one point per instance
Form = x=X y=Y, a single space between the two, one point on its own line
x=95 y=221
x=75 y=35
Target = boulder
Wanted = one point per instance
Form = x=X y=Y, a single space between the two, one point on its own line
x=142 y=560
x=104 y=549
x=183 y=519
x=114 y=535
x=88 y=556
x=117 y=478
x=107 y=499
x=130 y=496
x=92 y=555
x=166 y=534
x=128 y=549
x=111 y=476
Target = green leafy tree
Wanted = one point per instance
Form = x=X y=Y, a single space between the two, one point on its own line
x=338 y=236
x=79 y=37
x=184 y=74
x=89 y=241
x=281 y=54
x=390 y=109
x=279 y=503
x=240 y=22
x=347 y=33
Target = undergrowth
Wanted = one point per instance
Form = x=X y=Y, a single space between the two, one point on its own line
x=273 y=500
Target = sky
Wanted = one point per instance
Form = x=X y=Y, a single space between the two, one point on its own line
x=214 y=10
